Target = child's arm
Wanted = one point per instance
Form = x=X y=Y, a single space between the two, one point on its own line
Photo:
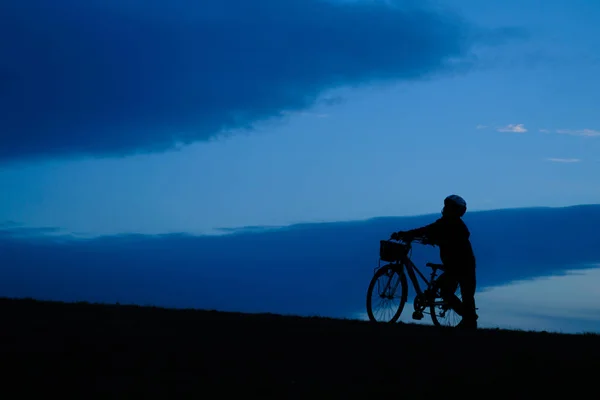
x=429 y=232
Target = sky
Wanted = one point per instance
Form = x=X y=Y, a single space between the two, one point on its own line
x=126 y=117
x=188 y=117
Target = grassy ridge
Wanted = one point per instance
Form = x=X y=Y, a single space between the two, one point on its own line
x=111 y=351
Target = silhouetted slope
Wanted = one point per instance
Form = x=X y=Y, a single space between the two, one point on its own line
x=92 y=351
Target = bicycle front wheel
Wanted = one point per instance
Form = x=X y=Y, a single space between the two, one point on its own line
x=386 y=295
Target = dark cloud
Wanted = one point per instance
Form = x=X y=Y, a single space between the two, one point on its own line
x=303 y=269
x=115 y=77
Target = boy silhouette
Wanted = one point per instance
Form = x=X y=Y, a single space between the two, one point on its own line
x=452 y=236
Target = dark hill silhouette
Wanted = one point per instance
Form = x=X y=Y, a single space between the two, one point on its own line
x=305 y=269
x=93 y=351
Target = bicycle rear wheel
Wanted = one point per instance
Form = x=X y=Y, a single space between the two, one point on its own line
x=442 y=314
x=386 y=295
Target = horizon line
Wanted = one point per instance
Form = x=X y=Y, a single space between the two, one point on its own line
x=11 y=229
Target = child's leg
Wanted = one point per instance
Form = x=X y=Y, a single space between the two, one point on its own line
x=448 y=285
x=468 y=285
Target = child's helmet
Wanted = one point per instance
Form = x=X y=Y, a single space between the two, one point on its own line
x=456 y=204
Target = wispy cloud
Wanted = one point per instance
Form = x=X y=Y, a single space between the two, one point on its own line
x=518 y=128
x=14 y=229
x=579 y=132
x=564 y=160
x=305 y=114
x=114 y=77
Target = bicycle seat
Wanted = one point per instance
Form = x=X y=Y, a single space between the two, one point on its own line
x=435 y=266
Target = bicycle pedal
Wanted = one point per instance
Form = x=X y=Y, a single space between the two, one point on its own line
x=417 y=315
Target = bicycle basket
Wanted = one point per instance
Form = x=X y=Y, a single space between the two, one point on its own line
x=391 y=251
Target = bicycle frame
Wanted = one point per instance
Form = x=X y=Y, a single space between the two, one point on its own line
x=410 y=270
x=406 y=263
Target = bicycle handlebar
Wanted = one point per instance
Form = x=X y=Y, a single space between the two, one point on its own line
x=413 y=239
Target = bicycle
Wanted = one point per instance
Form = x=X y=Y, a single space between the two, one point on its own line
x=397 y=255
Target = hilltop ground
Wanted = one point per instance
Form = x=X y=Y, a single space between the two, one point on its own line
x=86 y=350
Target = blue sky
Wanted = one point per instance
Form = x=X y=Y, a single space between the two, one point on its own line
x=353 y=117
x=154 y=117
